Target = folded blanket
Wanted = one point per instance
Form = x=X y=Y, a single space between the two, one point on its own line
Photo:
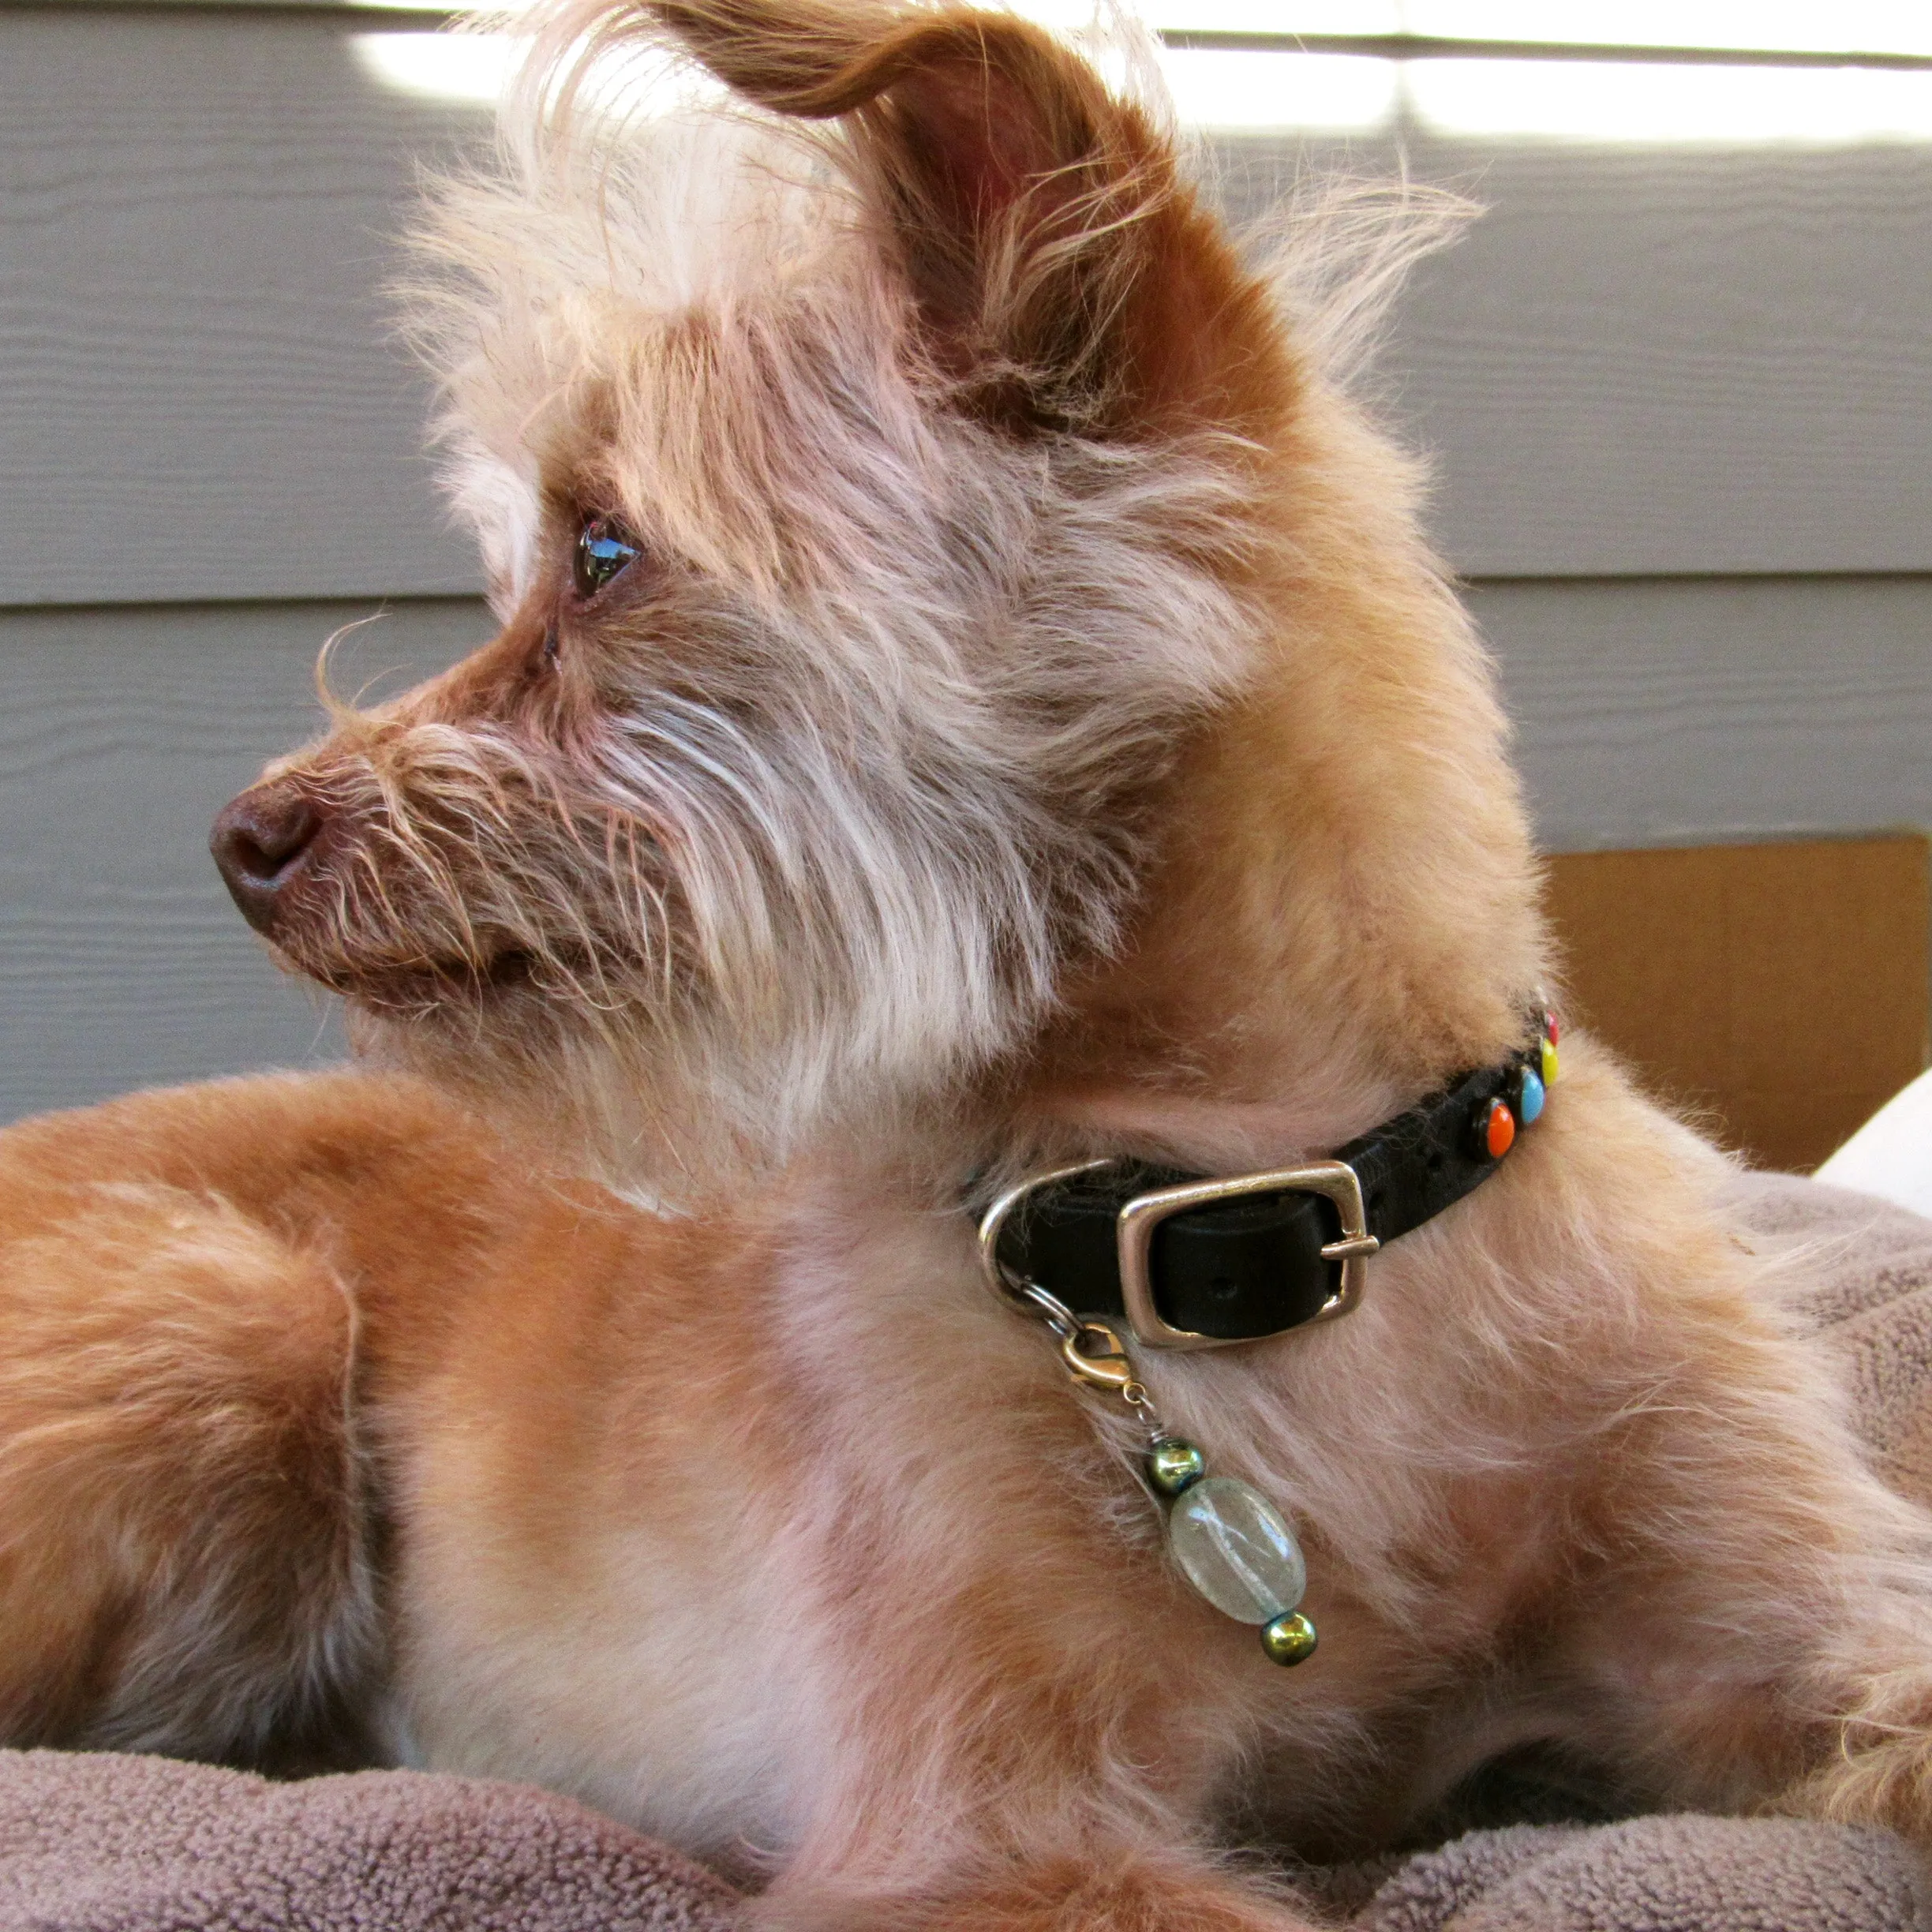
x=94 y=1843
x=90 y=1842
x=1868 y=1295
x=99 y=1843
x=1659 y=1875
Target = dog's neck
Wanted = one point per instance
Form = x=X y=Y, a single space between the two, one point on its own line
x=1342 y=910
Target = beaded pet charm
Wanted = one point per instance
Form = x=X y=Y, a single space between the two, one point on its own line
x=1226 y=1537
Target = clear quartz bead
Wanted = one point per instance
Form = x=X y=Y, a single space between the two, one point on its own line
x=1234 y=1547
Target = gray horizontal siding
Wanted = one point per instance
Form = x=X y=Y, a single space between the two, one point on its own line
x=1686 y=711
x=123 y=963
x=1640 y=362
x=1643 y=363
x=203 y=399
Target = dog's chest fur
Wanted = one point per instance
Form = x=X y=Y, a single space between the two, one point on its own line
x=749 y=1526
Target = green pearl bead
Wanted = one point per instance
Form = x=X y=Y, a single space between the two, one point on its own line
x=1290 y=1639
x=1173 y=1466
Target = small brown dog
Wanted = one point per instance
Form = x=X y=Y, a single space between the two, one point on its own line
x=972 y=701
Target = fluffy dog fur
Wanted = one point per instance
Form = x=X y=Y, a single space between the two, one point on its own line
x=1033 y=727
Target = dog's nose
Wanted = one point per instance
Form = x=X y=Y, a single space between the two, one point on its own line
x=260 y=842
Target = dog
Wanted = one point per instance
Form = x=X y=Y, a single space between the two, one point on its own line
x=981 y=794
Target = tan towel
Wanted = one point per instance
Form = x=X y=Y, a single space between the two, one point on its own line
x=97 y=1843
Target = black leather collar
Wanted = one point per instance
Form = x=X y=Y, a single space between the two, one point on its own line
x=1253 y=1263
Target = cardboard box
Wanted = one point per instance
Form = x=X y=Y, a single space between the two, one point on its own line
x=1780 y=994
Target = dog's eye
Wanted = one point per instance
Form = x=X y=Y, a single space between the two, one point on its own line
x=604 y=548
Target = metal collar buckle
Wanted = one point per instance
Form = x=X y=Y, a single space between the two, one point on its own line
x=1145 y=1212
x=1138 y=1219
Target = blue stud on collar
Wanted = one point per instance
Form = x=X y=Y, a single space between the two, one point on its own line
x=1529 y=1096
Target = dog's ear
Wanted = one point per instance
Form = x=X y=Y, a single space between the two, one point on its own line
x=1063 y=273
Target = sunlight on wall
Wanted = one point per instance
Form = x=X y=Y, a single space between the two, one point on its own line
x=1602 y=103
x=1323 y=93
x=442 y=66
x=1609 y=103
x=475 y=67
x=1791 y=26
x=1301 y=17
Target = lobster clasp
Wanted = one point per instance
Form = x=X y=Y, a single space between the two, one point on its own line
x=1095 y=1355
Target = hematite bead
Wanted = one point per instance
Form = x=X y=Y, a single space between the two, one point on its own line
x=1288 y=1639
x=1172 y=1465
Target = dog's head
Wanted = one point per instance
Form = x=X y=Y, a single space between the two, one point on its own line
x=878 y=469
